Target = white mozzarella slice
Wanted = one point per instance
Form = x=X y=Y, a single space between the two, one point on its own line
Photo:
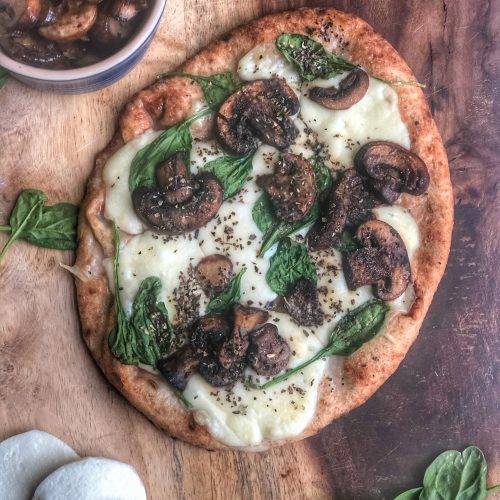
x=118 y=205
x=92 y=479
x=26 y=459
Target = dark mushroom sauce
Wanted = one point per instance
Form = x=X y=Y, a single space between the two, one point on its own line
x=66 y=34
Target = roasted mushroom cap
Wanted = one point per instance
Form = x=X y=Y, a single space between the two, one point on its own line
x=261 y=109
x=125 y=10
x=392 y=170
x=74 y=19
x=174 y=166
x=382 y=261
x=109 y=33
x=292 y=187
x=30 y=48
x=302 y=303
x=350 y=91
x=214 y=273
x=349 y=204
x=269 y=353
x=235 y=346
x=19 y=14
x=170 y=211
x=179 y=367
x=207 y=336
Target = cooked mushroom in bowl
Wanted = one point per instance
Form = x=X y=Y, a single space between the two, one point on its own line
x=75 y=46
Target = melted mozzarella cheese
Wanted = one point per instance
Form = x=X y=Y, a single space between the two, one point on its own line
x=245 y=417
x=375 y=117
x=265 y=61
x=118 y=205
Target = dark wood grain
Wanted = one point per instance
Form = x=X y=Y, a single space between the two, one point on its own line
x=445 y=394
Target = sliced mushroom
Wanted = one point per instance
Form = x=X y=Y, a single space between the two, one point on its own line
x=110 y=34
x=179 y=367
x=47 y=13
x=125 y=10
x=218 y=376
x=269 y=352
x=154 y=207
x=73 y=21
x=349 y=204
x=174 y=166
x=214 y=273
x=350 y=91
x=29 y=48
x=382 y=261
x=392 y=170
x=261 y=109
x=235 y=346
x=302 y=303
x=292 y=187
x=19 y=14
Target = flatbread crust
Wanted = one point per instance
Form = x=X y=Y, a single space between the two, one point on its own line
x=169 y=101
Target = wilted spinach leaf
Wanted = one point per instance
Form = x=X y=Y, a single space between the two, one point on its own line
x=231 y=295
x=231 y=172
x=290 y=263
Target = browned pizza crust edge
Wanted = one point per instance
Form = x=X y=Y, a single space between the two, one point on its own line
x=169 y=101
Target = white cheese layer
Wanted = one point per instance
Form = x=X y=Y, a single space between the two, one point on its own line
x=118 y=205
x=244 y=417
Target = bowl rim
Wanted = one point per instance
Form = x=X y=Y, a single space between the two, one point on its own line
x=64 y=75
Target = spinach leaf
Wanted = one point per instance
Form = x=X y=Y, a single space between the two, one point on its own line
x=3 y=77
x=275 y=230
x=289 y=264
x=231 y=172
x=228 y=297
x=346 y=243
x=310 y=58
x=456 y=475
x=216 y=88
x=453 y=475
x=412 y=494
x=44 y=226
x=356 y=328
x=172 y=140
x=147 y=335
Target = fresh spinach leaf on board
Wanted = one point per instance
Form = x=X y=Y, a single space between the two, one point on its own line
x=310 y=58
x=172 y=140
x=356 y=328
x=453 y=475
x=231 y=172
x=230 y=296
x=216 y=88
x=41 y=225
x=290 y=263
x=275 y=230
x=147 y=335
x=3 y=77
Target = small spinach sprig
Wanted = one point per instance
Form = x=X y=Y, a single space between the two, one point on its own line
x=356 y=328
x=230 y=296
x=231 y=172
x=313 y=61
x=174 y=139
x=3 y=77
x=41 y=225
x=310 y=58
x=290 y=263
x=275 y=230
x=216 y=88
x=147 y=335
x=453 y=475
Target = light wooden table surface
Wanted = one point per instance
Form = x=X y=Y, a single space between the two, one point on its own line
x=445 y=394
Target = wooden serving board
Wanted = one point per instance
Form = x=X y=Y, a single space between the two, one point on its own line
x=445 y=394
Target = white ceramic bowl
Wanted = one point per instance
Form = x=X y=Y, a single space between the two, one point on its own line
x=95 y=76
